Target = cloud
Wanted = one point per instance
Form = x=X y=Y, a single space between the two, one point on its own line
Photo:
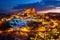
x=50 y=10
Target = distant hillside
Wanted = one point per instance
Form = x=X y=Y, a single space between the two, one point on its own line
x=53 y=15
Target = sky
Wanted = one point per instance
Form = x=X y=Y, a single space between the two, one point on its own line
x=11 y=3
x=8 y=5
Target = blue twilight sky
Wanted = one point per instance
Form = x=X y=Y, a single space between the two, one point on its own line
x=12 y=3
